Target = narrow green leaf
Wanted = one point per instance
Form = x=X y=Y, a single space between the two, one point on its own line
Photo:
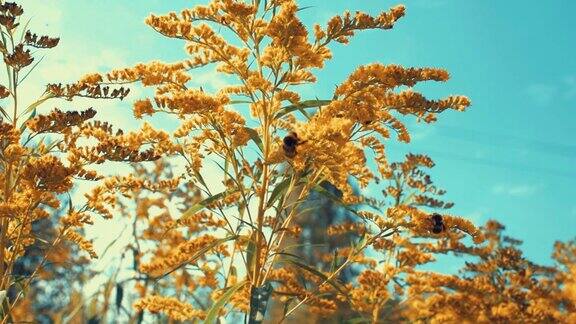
x=287 y=306
x=362 y=242
x=301 y=106
x=37 y=147
x=52 y=145
x=279 y=190
x=251 y=251
x=24 y=30
x=120 y=235
x=198 y=254
x=255 y=137
x=30 y=70
x=200 y=178
x=4 y=113
x=233 y=271
x=35 y=104
x=119 y=296
x=257 y=174
x=334 y=263
x=226 y=172
x=32 y=115
x=226 y=166
x=201 y=205
x=292 y=260
x=357 y=320
x=334 y=198
x=293 y=246
x=241 y=210
x=212 y=315
x=252 y=226
x=313 y=208
x=304 y=8
x=232 y=102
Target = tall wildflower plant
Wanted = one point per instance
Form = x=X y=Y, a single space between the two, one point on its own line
x=43 y=156
x=376 y=277
x=497 y=284
x=272 y=148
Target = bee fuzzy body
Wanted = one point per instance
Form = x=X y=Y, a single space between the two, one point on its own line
x=438 y=225
x=290 y=143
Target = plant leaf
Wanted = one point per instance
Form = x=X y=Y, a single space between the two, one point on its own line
x=334 y=263
x=304 y=8
x=212 y=314
x=119 y=296
x=255 y=137
x=32 y=115
x=201 y=205
x=199 y=254
x=232 y=102
x=200 y=178
x=357 y=320
x=251 y=251
x=293 y=260
x=301 y=106
x=30 y=71
x=24 y=29
x=36 y=104
x=278 y=190
x=321 y=190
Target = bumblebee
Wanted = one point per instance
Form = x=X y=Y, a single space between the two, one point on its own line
x=437 y=224
x=290 y=142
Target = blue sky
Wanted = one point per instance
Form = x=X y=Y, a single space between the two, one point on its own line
x=509 y=157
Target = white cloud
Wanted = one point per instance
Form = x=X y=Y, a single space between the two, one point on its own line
x=515 y=190
x=481 y=153
x=420 y=130
x=45 y=16
x=542 y=94
x=210 y=80
x=570 y=83
x=75 y=56
x=477 y=216
x=430 y=3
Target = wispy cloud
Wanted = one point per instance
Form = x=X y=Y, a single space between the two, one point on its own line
x=430 y=3
x=477 y=216
x=210 y=80
x=523 y=190
x=570 y=84
x=75 y=56
x=544 y=94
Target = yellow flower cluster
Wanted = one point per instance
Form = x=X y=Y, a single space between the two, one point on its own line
x=81 y=242
x=501 y=287
x=34 y=176
x=58 y=121
x=372 y=293
x=187 y=252
x=103 y=197
x=171 y=306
